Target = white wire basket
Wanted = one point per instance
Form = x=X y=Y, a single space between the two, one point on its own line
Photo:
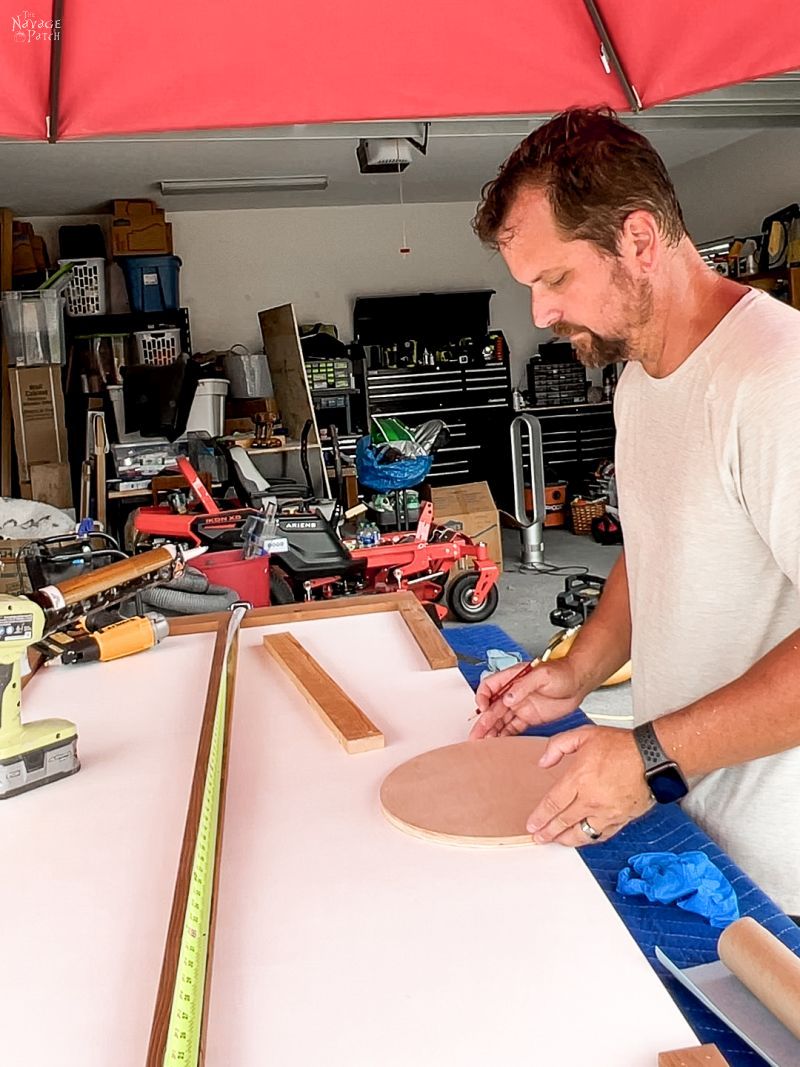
x=157 y=348
x=86 y=292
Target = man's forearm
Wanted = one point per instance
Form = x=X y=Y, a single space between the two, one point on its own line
x=603 y=644
x=757 y=715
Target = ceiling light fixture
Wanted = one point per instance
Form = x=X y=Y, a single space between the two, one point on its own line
x=275 y=183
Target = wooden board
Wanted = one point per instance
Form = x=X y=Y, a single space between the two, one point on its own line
x=705 y=1056
x=472 y=793
x=431 y=643
x=421 y=627
x=287 y=370
x=347 y=722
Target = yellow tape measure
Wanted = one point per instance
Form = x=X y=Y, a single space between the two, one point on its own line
x=185 y=1022
x=182 y=1047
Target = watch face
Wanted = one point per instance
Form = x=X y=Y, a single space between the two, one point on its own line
x=667 y=784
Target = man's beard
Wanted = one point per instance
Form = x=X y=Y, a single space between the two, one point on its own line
x=596 y=351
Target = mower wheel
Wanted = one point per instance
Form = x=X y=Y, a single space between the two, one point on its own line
x=280 y=592
x=461 y=603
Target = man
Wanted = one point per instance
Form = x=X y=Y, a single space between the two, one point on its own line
x=705 y=598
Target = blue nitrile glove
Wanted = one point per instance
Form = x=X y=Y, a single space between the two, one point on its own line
x=688 y=879
x=498 y=660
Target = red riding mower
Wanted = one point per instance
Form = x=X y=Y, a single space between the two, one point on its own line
x=316 y=564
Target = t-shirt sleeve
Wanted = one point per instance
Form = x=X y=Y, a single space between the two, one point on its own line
x=765 y=456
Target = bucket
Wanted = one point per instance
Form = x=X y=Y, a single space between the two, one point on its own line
x=208 y=407
x=555 y=502
x=248 y=373
x=247 y=577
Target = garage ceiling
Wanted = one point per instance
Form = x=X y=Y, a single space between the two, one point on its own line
x=79 y=177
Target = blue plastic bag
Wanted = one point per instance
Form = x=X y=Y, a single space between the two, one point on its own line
x=401 y=474
x=688 y=879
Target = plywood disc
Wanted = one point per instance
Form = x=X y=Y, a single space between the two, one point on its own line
x=472 y=793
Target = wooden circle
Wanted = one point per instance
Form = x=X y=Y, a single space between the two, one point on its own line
x=472 y=793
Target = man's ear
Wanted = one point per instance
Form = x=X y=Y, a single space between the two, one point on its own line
x=641 y=240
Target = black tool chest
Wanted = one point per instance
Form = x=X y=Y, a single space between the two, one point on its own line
x=575 y=437
x=427 y=357
x=474 y=402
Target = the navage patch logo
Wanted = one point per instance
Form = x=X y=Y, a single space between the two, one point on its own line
x=27 y=27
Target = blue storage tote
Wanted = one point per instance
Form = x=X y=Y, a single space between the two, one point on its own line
x=152 y=282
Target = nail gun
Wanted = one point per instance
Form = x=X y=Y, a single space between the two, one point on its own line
x=90 y=643
x=35 y=753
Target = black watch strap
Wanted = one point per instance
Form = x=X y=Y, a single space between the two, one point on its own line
x=650 y=750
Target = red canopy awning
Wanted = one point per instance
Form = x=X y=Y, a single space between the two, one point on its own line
x=145 y=65
x=24 y=71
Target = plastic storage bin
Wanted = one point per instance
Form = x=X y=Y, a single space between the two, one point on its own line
x=208 y=407
x=157 y=348
x=86 y=292
x=152 y=282
x=34 y=327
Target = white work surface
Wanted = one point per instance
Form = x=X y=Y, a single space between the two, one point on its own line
x=340 y=939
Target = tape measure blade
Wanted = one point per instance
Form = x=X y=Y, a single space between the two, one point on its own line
x=186 y=1017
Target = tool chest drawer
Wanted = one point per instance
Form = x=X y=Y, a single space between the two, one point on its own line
x=575 y=436
x=430 y=392
x=478 y=445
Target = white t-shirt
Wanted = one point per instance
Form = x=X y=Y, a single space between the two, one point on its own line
x=708 y=475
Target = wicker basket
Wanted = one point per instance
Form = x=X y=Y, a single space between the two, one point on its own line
x=583 y=511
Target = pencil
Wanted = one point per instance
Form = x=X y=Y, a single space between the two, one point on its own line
x=501 y=692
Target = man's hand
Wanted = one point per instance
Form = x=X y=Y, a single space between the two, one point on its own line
x=548 y=692
x=605 y=785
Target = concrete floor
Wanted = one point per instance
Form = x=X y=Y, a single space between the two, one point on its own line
x=527 y=598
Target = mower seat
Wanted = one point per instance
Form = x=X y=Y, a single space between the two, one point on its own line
x=314 y=549
x=256 y=487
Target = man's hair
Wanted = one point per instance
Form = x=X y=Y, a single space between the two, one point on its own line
x=595 y=171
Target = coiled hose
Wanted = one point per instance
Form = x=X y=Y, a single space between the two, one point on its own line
x=191 y=594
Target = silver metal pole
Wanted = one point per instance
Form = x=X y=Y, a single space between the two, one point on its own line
x=531 y=521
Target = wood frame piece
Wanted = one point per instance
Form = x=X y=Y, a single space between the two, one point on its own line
x=169 y=965
x=700 y=1056
x=433 y=646
x=346 y=721
x=6 y=274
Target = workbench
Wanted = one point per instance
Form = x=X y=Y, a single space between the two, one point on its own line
x=339 y=939
x=687 y=939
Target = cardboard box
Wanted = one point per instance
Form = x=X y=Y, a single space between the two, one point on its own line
x=136 y=209
x=139 y=228
x=471 y=505
x=37 y=404
x=146 y=238
x=51 y=483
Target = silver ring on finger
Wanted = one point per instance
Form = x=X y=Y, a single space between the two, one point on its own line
x=589 y=830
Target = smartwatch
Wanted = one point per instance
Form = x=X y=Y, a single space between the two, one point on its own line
x=662 y=774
